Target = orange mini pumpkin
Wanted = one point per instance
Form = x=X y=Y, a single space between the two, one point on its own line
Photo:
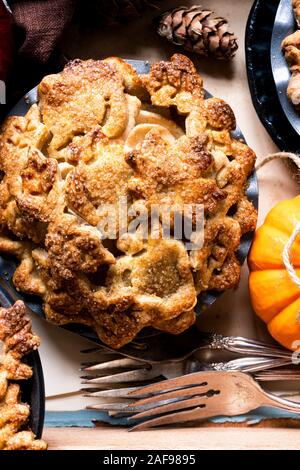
x=275 y=297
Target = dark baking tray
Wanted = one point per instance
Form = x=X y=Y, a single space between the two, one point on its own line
x=263 y=90
x=8 y=264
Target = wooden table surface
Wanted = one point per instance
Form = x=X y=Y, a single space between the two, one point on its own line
x=180 y=439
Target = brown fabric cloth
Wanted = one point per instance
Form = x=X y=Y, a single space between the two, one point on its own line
x=43 y=23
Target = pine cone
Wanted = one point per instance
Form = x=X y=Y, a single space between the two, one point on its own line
x=196 y=30
x=119 y=11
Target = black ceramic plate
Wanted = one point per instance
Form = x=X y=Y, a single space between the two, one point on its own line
x=284 y=25
x=260 y=77
x=8 y=264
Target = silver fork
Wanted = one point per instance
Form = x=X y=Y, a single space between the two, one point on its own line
x=117 y=378
x=162 y=347
x=201 y=396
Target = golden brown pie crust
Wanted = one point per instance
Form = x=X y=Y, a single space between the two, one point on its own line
x=100 y=132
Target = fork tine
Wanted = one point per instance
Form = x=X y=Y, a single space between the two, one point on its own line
x=116 y=407
x=174 y=405
x=84 y=365
x=113 y=393
x=173 y=384
x=114 y=364
x=130 y=376
x=98 y=349
x=183 y=393
x=172 y=418
x=165 y=408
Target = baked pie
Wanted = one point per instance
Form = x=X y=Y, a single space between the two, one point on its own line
x=16 y=340
x=101 y=134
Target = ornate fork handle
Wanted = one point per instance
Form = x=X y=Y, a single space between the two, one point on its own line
x=245 y=346
x=164 y=348
x=243 y=364
x=251 y=364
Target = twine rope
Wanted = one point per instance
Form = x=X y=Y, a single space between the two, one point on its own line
x=288 y=246
x=280 y=156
